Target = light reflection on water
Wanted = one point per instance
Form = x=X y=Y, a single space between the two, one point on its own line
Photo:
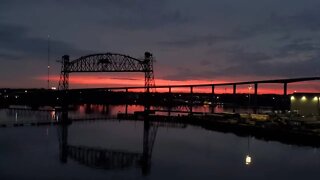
x=22 y=115
x=113 y=110
x=179 y=152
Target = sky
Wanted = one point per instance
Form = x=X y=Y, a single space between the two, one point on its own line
x=203 y=41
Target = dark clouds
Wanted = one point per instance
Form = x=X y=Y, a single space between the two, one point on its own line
x=196 y=40
x=15 y=43
x=129 y=14
x=146 y=20
x=290 y=60
x=205 y=39
x=304 y=21
x=140 y=14
x=300 y=45
x=276 y=45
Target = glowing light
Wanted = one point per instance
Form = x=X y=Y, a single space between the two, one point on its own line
x=53 y=88
x=303 y=98
x=248 y=160
x=207 y=103
x=249 y=88
x=315 y=98
x=292 y=98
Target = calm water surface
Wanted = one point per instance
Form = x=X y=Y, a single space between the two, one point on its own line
x=179 y=151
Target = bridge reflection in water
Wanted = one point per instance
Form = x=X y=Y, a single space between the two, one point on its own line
x=101 y=158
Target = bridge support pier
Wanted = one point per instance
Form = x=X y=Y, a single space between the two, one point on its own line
x=234 y=97
x=170 y=100
x=255 y=103
x=191 y=100
x=285 y=87
x=212 y=99
x=285 y=94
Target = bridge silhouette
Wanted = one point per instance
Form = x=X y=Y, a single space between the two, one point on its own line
x=113 y=62
x=108 y=62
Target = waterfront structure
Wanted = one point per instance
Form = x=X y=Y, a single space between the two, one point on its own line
x=306 y=104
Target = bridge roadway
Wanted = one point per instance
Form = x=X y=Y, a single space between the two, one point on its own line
x=285 y=83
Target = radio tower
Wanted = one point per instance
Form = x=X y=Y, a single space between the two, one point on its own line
x=48 y=61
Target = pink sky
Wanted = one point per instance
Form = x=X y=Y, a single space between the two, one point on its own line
x=90 y=81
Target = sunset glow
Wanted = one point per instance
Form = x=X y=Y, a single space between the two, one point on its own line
x=90 y=81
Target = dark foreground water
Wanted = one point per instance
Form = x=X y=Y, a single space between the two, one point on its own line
x=179 y=152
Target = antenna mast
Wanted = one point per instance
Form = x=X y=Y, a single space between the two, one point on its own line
x=48 y=61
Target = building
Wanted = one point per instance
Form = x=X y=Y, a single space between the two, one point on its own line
x=306 y=104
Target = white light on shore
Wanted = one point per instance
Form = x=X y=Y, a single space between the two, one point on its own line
x=248 y=160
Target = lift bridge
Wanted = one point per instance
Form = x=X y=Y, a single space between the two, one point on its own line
x=104 y=158
x=107 y=62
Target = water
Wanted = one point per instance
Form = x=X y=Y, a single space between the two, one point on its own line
x=179 y=151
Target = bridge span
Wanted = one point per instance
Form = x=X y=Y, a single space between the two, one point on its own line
x=234 y=85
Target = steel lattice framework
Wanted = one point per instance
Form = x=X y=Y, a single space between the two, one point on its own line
x=108 y=62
